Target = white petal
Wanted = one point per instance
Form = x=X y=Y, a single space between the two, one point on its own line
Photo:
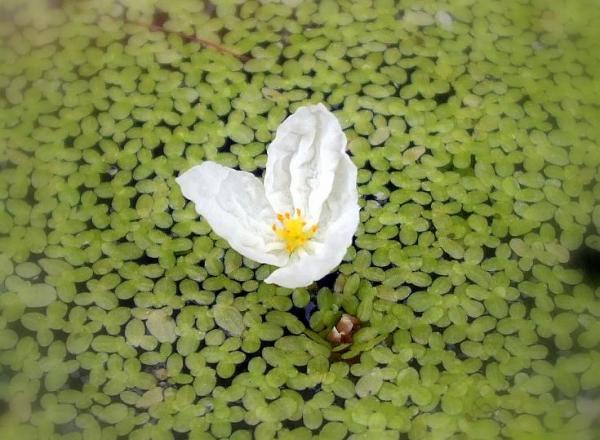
x=339 y=221
x=234 y=205
x=302 y=159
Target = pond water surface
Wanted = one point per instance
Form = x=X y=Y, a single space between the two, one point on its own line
x=474 y=271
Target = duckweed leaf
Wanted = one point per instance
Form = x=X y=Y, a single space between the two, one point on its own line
x=161 y=326
x=229 y=319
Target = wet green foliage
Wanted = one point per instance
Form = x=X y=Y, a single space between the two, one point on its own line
x=474 y=125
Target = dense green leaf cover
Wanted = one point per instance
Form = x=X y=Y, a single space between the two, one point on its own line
x=475 y=127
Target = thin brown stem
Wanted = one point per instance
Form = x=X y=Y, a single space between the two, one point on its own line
x=188 y=38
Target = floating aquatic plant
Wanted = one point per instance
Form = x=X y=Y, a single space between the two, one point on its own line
x=304 y=216
x=474 y=129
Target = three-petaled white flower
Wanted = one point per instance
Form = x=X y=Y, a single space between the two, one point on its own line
x=304 y=216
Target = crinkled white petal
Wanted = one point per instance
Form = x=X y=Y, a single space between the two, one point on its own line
x=235 y=206
x=339 y=220
x=302 y=160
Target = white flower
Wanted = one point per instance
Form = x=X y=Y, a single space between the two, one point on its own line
x=304 y=216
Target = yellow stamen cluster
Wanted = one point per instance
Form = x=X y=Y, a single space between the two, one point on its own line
x=293 y=230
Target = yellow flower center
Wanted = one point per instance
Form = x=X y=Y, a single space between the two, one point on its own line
x=293 y=230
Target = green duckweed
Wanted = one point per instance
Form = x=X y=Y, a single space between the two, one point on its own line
x=473 y=127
